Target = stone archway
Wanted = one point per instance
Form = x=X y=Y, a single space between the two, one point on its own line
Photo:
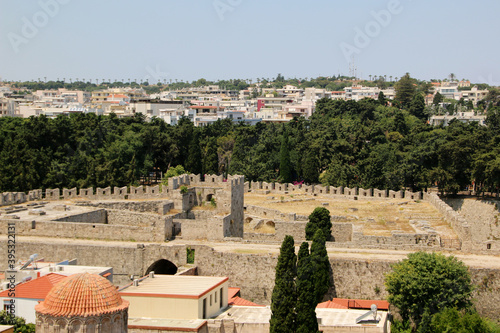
x=162 y=266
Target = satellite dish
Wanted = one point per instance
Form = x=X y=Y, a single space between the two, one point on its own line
x=373 y=312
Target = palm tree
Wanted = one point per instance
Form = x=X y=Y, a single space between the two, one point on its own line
x=390 y=78
x=370 y=76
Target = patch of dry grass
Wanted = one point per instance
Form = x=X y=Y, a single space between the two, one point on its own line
x=374 y=217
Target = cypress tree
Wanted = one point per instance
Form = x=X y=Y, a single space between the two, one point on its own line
x=285 y=167
x=321 y=266
x=319 y=219
x=284 y=295
x=417 y=106
x=307 y=321
x=310 y=167
x=193 y=162
x=211 y=160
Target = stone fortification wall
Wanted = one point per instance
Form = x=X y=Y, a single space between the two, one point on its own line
x=99 y=224
x=483 y=217
x=97 y=216
x=126 y=259
x=398 y=239
x=211 y=227
x=85 y=230
x=342 y=232
x=291 y=224
x=363 y=279
x=459 y=224
x=225 y=219
x=161 y=207
x=117 y=193
x=338 y=192
x=253 y=273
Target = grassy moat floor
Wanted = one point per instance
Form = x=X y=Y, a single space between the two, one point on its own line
x=377 y=217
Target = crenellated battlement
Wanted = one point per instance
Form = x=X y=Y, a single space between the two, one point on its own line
x=107 y=193
x=341 y=192
x=210 y=180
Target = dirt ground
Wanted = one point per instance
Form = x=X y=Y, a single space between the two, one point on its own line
x=376 y=217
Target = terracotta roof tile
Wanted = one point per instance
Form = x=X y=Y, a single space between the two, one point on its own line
x=344 y=303
x=36 y=288
x=241 y=302
x=82 y=295
x=232 y=292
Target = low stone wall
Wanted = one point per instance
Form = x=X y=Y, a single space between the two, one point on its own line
x=260 y=237
x=403 y=240
x=210 y=228
x=161 y=207
x=120 y=217
x=483 y=217
x=295 y=229
x=457 y=222
x=267 y=213
x=342 y=232
x=85 y=230
x=97 y=216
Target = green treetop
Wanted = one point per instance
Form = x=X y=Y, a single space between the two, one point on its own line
x=405 y=90
x=425 y=283
x=285 y=165
x=319 y=219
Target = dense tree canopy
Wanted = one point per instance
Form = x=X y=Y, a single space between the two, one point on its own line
x=425 y=283
x=344 y=143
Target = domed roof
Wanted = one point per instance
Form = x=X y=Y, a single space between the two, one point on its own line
x=82 y=295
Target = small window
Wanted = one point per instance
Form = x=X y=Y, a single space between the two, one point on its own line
x=210 y=300
x=488 y=246
x=215 y=300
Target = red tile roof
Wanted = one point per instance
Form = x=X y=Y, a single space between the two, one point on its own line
x=241 y=302
x=82 y=295
x=36 y=288
x=232 y=292
x=234 y=299
x=344 y=303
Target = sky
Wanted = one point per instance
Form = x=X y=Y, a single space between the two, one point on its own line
x=248 y=39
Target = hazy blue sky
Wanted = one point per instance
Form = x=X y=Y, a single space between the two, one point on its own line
x=222 y=39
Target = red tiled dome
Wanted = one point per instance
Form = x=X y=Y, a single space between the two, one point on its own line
x=82 y=295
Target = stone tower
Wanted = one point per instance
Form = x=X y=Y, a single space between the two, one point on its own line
x=82 y=303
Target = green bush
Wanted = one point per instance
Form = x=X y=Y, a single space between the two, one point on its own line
x=19 y=323
x=190 y=255
x=173 y=172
